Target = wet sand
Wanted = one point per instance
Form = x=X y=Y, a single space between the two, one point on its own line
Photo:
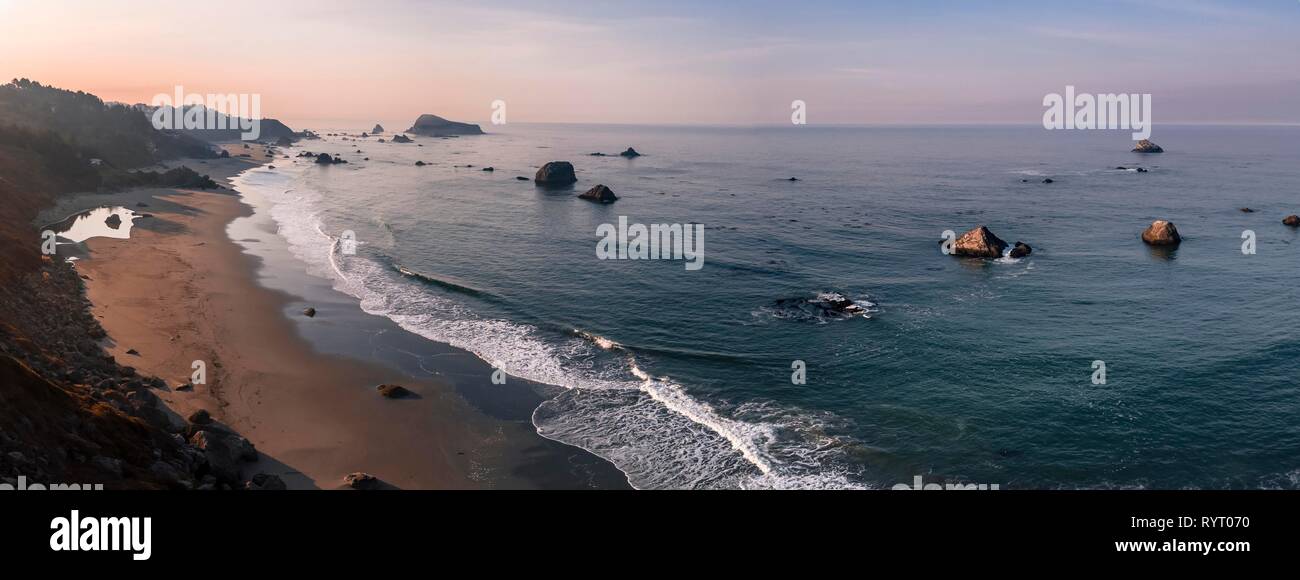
x=179 y=290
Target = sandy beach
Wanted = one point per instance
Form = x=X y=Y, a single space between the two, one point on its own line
x=179 y=290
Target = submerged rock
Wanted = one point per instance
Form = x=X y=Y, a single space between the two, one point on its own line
x=979 y=243
x=556 y=173
x=1161 y=233
x=1146 y=146
x=600 y=194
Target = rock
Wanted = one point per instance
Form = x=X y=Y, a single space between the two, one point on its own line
x=200 y=417
x=141 y=204
x=979 y=243
x=393 y=391
x=360 y=480
x=1021 y=250
x=1291 y=220
x=324 y=159
x=1247 y=210
x=377 y=130
x=1049 y=180
x=520 y=178
x=420 y=164
x=185 y=387
x=399 y=138
x=265 y=482
x=600 y=194
x=556 y=173
x=309 y=312
x=630 y=153
x=435 y=126
x=1146 y=146
x=109 y=464
x=113 y=221
x=597 y=154
x=222 y=454
x=1161 y=233
x=1142 y=170
x=132 y=352
x=793 y=179
x=489 y=169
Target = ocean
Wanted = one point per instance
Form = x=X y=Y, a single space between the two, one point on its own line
x=954 y=369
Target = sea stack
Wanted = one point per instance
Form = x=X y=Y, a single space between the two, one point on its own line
x=1161 y=233
x=435 y=126
x=1146 y=146
x=600 y=194
x=399 y=138
x=1292 y=220
x=979 y=243
x=556 y=173
x=378 y=129
x=630 y=153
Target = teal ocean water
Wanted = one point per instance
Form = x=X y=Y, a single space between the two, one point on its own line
x=958 y=370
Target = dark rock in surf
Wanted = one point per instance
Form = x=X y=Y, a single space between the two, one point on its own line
x=1021 y=250
x=630 y=153
x=1291 y=220
x=113 y=221
x=600 y=194
x=556 y=173
x=309 y=312
x=399 y=138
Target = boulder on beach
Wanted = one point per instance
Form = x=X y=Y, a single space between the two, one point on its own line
x=600 y=194
x=361 y=480
x=393 y=391
x=1291 y=220
x=1021 y=250
x=556 y=173
x=630 y=153
x=979 y=243
x=435 y=126
x=265 y=482
x=200 y=417
x=377 y=130
x=1146 y=146
x=1161 y=233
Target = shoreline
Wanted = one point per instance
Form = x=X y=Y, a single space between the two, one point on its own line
x=181 y=289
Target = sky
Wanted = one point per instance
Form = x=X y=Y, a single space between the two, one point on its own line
x=670 y=62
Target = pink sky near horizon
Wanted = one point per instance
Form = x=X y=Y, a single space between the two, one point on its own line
x=391 y=61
